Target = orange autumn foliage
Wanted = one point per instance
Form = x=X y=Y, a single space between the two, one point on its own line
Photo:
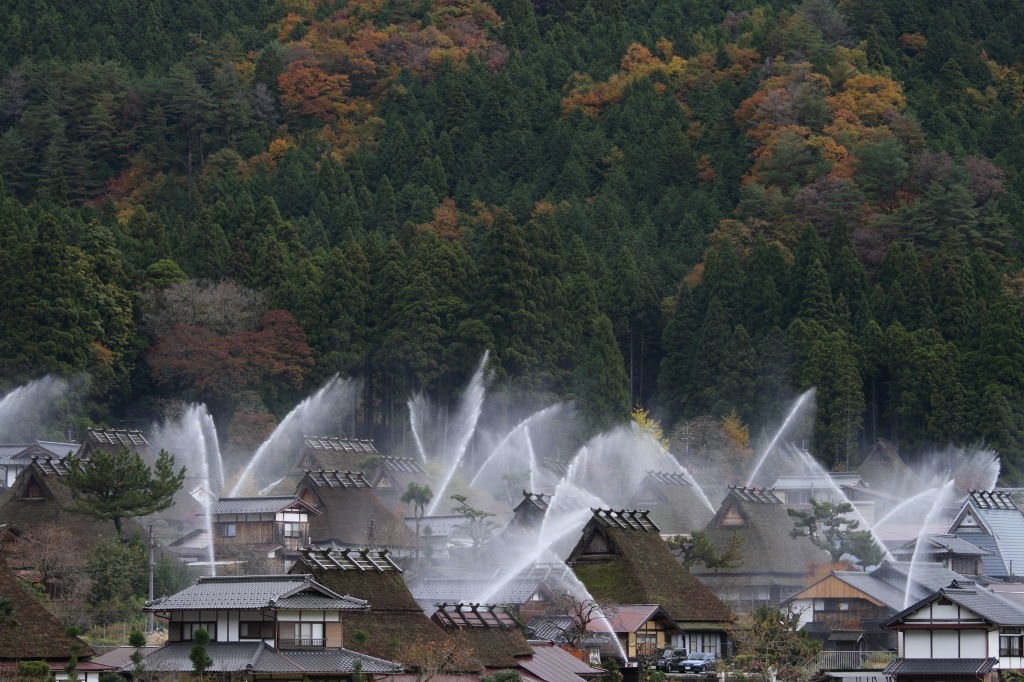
x=868 y=97
x=305 y=90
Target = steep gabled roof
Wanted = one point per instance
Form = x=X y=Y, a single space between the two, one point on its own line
x=490 y=631
x=393 y=475
x=675 y=506
x=38 y=633
x=939 y=544
x=349 y=507
x=513 y=592
x=621 y=558
x=987 y=605
x=112 y=440
x=992 y=521
x=883 y=469
x=761 y=520
x=319 y=453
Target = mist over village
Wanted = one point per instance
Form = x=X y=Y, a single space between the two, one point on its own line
x=511 y=341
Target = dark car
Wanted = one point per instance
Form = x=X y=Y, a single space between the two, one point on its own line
x=697 y=663
x=670 y=660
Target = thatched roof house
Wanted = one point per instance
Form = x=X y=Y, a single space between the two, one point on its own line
x=490 y=632
x=621 y=558
x=350 y=512
x=38 y=634
x=36 y=499
x=885 y=470
x=673 y=502
x=392 y=477
x=324 y=453
x=774 y=565
x=112 y=440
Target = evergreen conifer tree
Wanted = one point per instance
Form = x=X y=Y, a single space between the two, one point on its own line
x=677 y=342
x=601 y=381
x=810 y=248
x=818 y=304
x=386 y=216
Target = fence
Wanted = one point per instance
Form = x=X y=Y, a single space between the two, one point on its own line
x=854 y=660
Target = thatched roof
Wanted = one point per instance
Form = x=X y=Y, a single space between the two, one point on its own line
x=392 y=477
x=621 y=558
x=38 y=634
x=349 y=505
x=112 y=441
x=29 y=514
x=760 y=518
x=370 y=575
x=885 y=470
x=673 y=502
x=491 y=632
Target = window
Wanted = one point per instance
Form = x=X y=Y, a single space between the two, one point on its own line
x=1010 y=642
x=34 y=491
x=646 y=644
x=293 y=530
x=256 y=629
x=302 y=635
x=188 y=628
x=228 y=530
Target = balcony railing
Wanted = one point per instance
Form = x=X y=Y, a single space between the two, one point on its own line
x=854 y=660
x=302 y=643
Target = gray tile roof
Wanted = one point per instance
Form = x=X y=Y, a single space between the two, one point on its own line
x=940 y=666
x=306 y=600
x=255 y=505
x=9 y=451
x=230 y=657
x=940 y=543
x=991 y=606
x=343 y=660
x=250 y=592
x=59 y=449
x=889 y=595
x=929 y=576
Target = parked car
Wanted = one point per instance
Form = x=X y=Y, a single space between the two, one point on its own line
x=697 y=663
x=670 y=660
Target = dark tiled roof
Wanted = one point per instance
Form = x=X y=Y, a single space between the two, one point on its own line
x=941 y=666
x=336 y=444
x=257 y=657
x=257 y=505
x=337 y=479
x=991 y=606
x=941 y=544
x=625 y=519
x=251 y=592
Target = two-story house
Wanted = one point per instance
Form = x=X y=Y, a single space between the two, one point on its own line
x=278 y=526
x=960 y=632
x=288 y=625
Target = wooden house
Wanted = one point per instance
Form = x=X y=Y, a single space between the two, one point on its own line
x=282 y=627
x=350 y=514
x=277 y=526
x=621 y=558
x=775 y=564
x=990 y=520
x=947 y=549
x=960 y=633
x=674 y=504
x=642 y=629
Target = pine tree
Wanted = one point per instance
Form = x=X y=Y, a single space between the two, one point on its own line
x=711 y=353
x=918 y=313
x=347 y=292
x=271 y=264
x=724 y=280
x=677 y=342
x=818 y=304
x=239 y=266
x=210 y=248
x=954 y=298
x=386 y=216
x=810 y=248
x=774 y=385
x=302 y=295
x=601 y=381
x=848 y=276
x=832 y=369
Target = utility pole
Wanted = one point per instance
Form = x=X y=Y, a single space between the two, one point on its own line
x=151 y=576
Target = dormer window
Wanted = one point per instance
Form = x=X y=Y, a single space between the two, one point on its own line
x=598 y=545
x=34 y=491
x=732 y=518
x=384 y=482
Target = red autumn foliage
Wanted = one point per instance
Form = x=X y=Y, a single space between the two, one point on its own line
x=195 y=360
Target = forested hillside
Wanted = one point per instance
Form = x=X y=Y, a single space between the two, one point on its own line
x=698 y=207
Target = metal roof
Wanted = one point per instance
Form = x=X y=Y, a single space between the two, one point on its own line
x=258 y=505
x=630 y=617
x=668 y=478
x=441 y=526
x=404 y=464
x=250 y=592
x=349 y=559
x=991 y=499
x=754 y=494
x=473 y=616
x=941 y=666
x=337 y=479
x=340 y=444
x=553 y=664
x=625 y=519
